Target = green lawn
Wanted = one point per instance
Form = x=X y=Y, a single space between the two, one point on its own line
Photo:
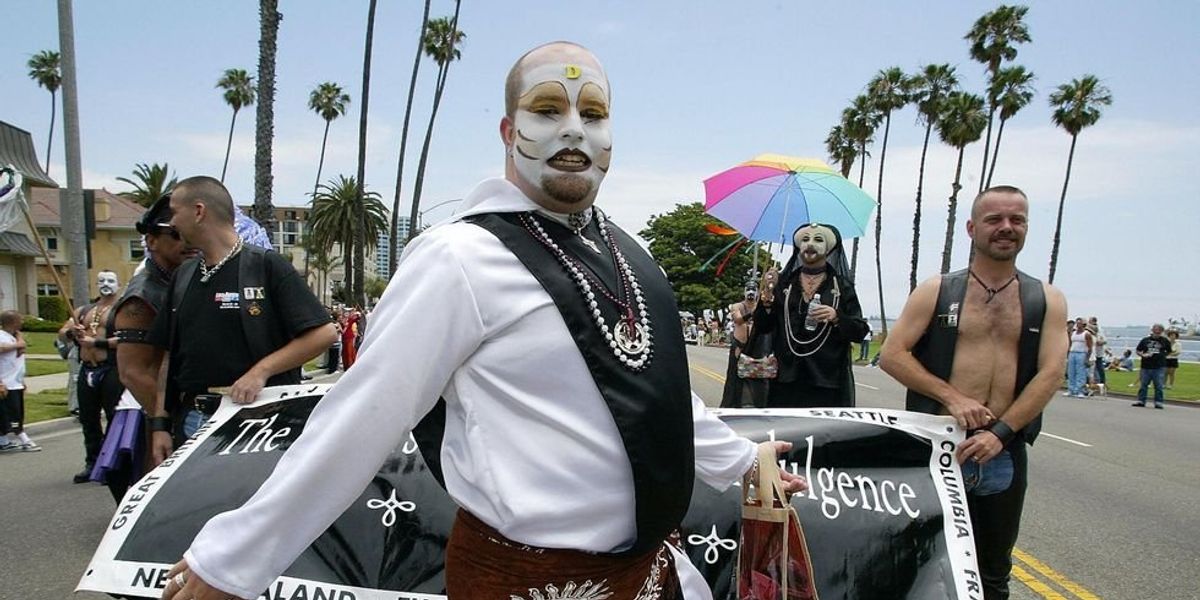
x=37 y=366
x=38 y=342
x=50 y=404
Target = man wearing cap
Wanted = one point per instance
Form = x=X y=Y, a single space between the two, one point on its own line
x=138 y=361
x=236 y=316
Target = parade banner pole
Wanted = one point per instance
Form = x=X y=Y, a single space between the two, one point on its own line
x=46 y=255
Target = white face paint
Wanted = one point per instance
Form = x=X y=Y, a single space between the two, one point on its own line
x=562 y=142
x=106 y=281
x=814 y=242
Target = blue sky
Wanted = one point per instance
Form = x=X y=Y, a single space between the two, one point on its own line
x=697 y=87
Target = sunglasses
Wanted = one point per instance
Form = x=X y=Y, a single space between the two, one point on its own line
x=168 y=230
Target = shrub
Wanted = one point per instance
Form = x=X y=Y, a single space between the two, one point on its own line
x=36 y=324
x=53 y=308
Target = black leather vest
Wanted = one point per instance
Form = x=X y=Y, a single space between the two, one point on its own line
x=935 y=349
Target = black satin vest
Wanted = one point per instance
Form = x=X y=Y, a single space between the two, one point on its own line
x=652 y=408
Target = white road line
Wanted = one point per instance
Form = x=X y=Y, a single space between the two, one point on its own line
x=869 y=387
x=1068 y=440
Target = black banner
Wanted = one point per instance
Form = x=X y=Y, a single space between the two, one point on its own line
x=885 y=515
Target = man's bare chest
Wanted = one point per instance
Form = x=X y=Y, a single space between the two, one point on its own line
x=998 y=321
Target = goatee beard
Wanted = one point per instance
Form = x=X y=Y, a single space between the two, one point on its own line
x=568 y=189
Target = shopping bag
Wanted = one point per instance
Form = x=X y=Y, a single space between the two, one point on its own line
x=774 y=562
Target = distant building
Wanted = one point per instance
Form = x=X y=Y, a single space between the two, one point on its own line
x=113 y=242
x=19 y=254
x=384 y=243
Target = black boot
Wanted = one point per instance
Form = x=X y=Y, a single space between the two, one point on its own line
x=83 y=476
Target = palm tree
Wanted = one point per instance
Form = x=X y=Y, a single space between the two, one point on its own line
x=264 y=123
x=859 y=121
x=334 y=218
x=888 y=91
x=842 y=150
x=355 y=270
x=323 y=262
x=152 y=181
x=1012 y=90
x=328 y=101
x=442 y=41
x=1076 y=107
x=961 y=122
x=45 y=69
x=238 y=88
x=928 y=89
x=993 y=38
x=412 y=87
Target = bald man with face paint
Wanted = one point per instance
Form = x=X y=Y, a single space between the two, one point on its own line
x=565 y=428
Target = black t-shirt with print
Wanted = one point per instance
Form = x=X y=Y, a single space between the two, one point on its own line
x=1158 y=346
x=211 y=348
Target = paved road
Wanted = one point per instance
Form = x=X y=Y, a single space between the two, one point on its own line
x=1113 y=507
x=1116 y=518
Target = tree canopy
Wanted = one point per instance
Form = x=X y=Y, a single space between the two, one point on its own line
x=681 y=244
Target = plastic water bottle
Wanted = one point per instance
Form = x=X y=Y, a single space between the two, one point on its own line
x=810 y=321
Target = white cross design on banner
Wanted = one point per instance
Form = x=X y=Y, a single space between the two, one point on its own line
x=714 y=542
x=391 y=504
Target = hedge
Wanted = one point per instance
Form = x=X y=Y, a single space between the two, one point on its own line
x=53 y=308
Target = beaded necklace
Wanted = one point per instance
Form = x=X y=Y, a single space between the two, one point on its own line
x=630 y=339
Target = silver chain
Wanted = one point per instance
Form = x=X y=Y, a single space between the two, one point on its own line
x=207 y=272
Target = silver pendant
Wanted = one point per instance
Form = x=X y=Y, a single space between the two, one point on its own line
x=631 y=338
x=590 y=244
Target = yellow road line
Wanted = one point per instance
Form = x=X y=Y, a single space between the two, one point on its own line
x=709 y=373
x=1036 y=585
x=1053 y=575
x=1021 y=574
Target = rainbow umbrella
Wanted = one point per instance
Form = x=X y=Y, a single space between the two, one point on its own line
x=768 y=197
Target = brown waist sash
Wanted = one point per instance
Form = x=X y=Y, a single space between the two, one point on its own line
x=481 y=564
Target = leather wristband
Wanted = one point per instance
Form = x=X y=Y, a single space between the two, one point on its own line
x=101 y=343
x=159 y=423
x=1001 y=430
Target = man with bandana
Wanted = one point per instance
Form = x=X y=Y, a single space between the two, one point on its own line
x=813 y=314
x=970 y=344
x=123 y=457
x=98 y=385
x=568 y=434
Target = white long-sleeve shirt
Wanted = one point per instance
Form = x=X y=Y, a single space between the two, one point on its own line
x=530 y=445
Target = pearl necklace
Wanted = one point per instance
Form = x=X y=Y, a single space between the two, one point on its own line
x=207 y=272
x=630 y=339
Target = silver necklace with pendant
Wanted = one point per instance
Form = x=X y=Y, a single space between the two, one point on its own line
x=630 y=339
x=577 y=221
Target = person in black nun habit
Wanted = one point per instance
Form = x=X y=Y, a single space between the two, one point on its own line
x=812 y=311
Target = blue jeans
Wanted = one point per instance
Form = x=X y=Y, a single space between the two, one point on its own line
x=1076 y=372
x=1101 y=378
x=1152 y=375
x=992 y=478
x=193 y=421
x=863 y=350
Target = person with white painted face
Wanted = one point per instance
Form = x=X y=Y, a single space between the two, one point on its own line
x=570 y=436
x=98 y=385
x=813 y=315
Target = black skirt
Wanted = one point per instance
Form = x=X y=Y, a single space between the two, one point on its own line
x=1172 y=363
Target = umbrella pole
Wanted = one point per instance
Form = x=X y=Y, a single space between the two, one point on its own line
x=45 y=254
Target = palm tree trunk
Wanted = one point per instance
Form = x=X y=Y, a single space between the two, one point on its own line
x=912 y=274
x=887 y=125
x=393 y=249
x=321 y=162
x=862 y=171
x=948 y=249
x=72 y=209
x=360 y=216
x=1061 y=201
x=437 y=102
x=987 y=143
x=995 y=153
x=264 y=123
x=228 y=145
x=50 y=138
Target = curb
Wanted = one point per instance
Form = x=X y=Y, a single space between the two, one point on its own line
x=1133 y=397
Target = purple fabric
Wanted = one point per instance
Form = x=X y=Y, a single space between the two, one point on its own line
x=124 y=441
